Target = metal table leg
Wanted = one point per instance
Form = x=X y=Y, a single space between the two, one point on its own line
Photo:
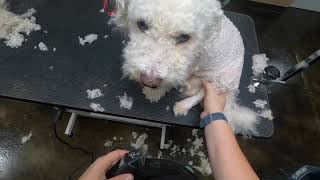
x=70 y=125
x=75 y=113
x=163 y=136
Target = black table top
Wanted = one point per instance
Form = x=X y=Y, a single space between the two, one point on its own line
x=61 y=78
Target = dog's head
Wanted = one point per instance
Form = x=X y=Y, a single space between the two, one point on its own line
x=165 y=37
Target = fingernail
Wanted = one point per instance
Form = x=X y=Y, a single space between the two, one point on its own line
x=129 y=177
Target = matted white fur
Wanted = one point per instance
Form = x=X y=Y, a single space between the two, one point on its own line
x=266 y=114
x=159 y=154
x=94 y=93
x=134 y=134
x=259 y=62
x=26 y=138
x=14 y=27
x=108 y=143
x=96 y=107
x=42 y=46
x=140 y=143
x=214 y=52
x=87 y=39
x=259 y=103
x=125 y=101
x=204 y=166
x=251 y=88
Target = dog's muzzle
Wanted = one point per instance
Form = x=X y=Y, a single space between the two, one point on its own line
x=150 y=81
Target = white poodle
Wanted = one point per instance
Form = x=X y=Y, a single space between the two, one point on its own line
x=176 y=44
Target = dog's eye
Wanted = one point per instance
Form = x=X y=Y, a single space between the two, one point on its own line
x=142 y=25
x=182 y=38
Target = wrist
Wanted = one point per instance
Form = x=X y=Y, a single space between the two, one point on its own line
x=216 y=124
x=215 y=110
x=211 y=118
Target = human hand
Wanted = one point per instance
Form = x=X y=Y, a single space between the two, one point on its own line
x=98 y=169
x=214 y=101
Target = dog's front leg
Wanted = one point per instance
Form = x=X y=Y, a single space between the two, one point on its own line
x=182 y=107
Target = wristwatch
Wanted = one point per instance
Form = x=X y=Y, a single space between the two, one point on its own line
x=212 y=117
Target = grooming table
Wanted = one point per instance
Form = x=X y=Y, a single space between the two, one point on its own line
x=61 y=78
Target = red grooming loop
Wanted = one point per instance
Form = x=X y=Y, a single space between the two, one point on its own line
x=105 y=7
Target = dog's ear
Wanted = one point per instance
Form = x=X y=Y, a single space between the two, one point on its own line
x=3 y=4
x=121 y=17
x=211 y=12
x=215 y=6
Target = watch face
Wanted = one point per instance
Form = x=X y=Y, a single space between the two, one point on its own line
x=135 y=159
x=134 y=154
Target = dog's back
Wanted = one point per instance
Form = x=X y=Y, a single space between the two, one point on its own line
x=223 y=57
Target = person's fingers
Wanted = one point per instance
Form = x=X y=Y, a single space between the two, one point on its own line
x=123 y=177
x=109 y=160
x=203 y=114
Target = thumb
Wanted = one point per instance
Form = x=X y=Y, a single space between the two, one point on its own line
x=123 y=177
x=207 y=87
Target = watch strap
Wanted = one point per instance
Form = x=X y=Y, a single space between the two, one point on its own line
x=212 y=117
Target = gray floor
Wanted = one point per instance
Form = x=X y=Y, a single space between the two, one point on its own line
x=287 y=36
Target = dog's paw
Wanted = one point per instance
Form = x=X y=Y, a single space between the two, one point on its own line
x=153 y=95
x=181 y=108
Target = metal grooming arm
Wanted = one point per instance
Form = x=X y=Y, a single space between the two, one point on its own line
x=272 y=74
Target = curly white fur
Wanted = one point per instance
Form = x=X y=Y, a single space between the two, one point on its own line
x=214 y=52
x=13 y=26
